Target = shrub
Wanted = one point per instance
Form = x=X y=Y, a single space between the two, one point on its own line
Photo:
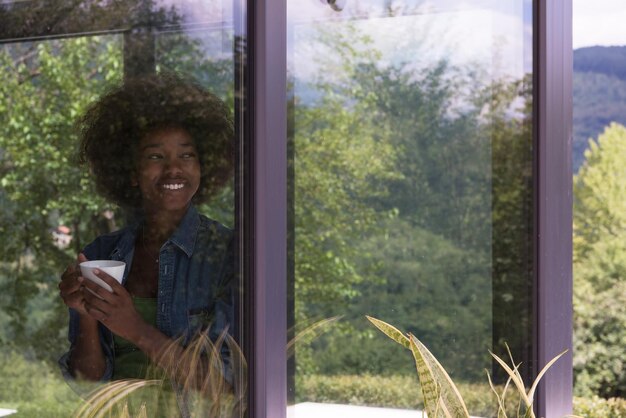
x=597 y=407
x=390 y=391
x=404 y=392
x=34 y=388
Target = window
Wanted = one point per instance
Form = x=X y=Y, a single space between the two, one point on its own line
x=255 y=55
x=411 y=174
x=56 y=61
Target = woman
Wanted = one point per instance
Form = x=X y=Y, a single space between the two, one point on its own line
x=155 y=146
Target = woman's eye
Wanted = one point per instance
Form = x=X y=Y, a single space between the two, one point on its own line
x=154 y=156
x=188 y=155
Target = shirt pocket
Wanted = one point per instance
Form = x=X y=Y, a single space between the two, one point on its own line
x=200 y=320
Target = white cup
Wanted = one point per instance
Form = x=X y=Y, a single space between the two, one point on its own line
x=113 y=268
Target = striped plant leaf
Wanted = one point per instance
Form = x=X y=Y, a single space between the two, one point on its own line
x=441 y=396
x=390 y=331
x=431 y=390
x=450 y=400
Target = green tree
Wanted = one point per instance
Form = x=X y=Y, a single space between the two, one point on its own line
x=461 y=172
x=512 y=219
x=600 y=266
x=336 y=156
x=44 y=87
x=339 y=161
x=42 y=184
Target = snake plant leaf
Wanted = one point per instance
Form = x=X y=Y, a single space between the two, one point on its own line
x=436 y=384
x=390 y=331
x=431 y=391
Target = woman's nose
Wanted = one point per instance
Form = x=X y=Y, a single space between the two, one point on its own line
x=172 y=166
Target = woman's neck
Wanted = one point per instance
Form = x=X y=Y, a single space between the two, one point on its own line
x=159 y=226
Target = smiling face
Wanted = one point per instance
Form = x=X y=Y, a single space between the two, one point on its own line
x=168 y=171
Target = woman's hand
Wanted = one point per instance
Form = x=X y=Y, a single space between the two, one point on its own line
x=113 y=309
x=70 y=287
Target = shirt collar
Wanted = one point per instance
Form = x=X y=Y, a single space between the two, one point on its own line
x=185 y=235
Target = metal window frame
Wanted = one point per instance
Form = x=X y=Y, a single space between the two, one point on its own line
x=267 y=209
x=265 y=229
x=553 y=209
x=553 y=206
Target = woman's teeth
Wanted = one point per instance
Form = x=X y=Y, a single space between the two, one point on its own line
x=173 y=186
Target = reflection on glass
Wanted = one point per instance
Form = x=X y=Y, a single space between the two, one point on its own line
x=50 y=204
x=411 y=193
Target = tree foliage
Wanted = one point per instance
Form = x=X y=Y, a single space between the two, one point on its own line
x=600 y=266
x=340 y=160
x=42 y=185
x=430 y=261
x=599 y=99
x=599 y=94
x=44 y=87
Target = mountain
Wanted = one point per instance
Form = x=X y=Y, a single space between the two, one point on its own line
x=599 y=94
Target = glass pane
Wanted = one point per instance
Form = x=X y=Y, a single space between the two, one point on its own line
x=118 y=141
x=411 y=195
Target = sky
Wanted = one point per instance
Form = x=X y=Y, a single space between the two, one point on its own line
x=599 y=22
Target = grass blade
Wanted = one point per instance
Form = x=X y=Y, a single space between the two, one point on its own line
x=501 y=408
x=519 y=384
x=309 y=333
x=531 y=392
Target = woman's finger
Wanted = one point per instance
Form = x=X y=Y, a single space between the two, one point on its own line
x=97 y=291
x=115 y=285
x=95 y=313
x=69 y=286
x=73 y=269
x=69 y=273
x=96 y=302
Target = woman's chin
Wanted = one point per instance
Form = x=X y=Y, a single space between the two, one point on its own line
x=167 y=205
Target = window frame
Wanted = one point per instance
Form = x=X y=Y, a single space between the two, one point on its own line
x=553 y=205
x=265 y=203
x=267 y=208
x=553 y=67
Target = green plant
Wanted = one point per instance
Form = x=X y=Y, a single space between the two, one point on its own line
x=33 y=387
x=391 y=391
x=597 y=407
x=200 y=375
x=441 y=396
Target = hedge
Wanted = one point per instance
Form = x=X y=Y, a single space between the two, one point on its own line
x=404 y=392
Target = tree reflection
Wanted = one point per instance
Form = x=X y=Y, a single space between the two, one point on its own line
x=412 y=203
x=46 y=82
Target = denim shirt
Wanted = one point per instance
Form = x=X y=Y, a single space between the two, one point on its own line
x=195 y=289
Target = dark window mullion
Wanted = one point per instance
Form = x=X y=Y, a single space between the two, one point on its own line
x=268 y=228
x=553 y=104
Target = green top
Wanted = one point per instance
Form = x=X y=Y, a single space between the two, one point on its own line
x=132 y=363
